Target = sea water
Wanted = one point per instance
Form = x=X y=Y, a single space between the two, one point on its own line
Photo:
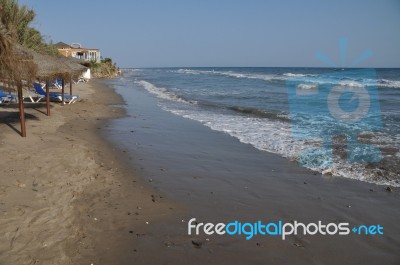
x=257 y=106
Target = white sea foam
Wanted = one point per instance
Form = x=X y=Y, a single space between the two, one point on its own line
x=297 y=75
x=350 y=84
x=192 y=72
x=276 y=137
x=266 y=77
x=251 y=76
x=271 y=135
x=160 y=92
x=388 y=83
x=310 y=78
x=230 y=74
x=307 y=86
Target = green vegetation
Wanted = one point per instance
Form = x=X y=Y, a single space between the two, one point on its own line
x=104 y=69
x=15 y=28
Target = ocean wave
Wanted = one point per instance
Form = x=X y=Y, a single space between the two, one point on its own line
x=388 y=83
x=192 y=72
x=251 y=76
x=266 y=77
x=260 y=113
x=275 y=136
x=297 y=75
x=307 y=86
x=350 y=84
x=371 y=83
x=229 y=74
x=161 y=92
x=311 y=79
x=221 y=108
x=272 y=132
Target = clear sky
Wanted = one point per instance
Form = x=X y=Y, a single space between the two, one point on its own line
x=162 y=33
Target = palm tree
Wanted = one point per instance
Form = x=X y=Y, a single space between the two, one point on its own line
x=16 y=17
x=5 y=39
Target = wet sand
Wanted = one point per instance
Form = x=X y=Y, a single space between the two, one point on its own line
x=220 y=179
x=68 y=196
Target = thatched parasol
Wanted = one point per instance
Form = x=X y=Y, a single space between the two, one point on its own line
x=17 y=65
x=75 y=67
x=24 y=64
x=49 y=67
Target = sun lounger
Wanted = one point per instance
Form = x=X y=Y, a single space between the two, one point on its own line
x=80 y=80
x=35 y=98
x=55 y=96
x=7 y=98
x=57 y=83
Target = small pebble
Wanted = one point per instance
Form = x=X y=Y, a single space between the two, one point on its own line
x=197 y=244
x=298 y=245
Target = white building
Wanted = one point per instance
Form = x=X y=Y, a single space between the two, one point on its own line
x=77 y=51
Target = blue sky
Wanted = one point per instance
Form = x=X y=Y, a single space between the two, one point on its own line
x=162 y=33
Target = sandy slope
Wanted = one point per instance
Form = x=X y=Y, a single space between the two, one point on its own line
x=58 y=185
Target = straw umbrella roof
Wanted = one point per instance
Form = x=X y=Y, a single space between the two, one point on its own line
x=53 y=67
x=74 y=65
x=49 y=66
x=25 y=64
x=18 y=65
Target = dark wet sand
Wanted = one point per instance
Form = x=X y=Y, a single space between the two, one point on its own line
x=215 y=178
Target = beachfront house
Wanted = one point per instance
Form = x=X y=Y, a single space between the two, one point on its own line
x=77 y=51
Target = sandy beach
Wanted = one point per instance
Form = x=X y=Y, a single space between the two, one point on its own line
x=199 y=132
x=63 y=193
x=68 y=196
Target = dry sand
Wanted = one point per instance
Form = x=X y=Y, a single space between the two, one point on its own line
x=64 y=197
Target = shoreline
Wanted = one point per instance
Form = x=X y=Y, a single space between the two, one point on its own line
x=221 y=179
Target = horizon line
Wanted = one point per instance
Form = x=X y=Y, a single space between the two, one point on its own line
x=325 y=67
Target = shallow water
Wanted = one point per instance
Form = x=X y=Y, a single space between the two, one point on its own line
x=288 y=111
